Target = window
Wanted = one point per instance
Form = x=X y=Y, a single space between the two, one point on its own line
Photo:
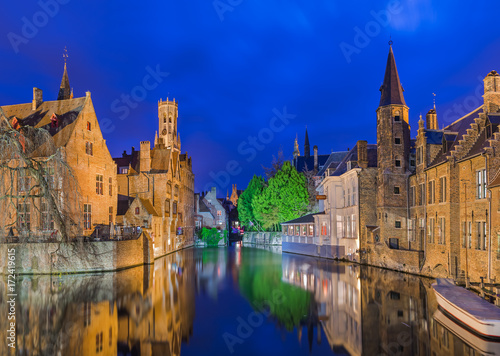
x=412 y=196
x=323 y=229
x=47 y=221
x=430 y=199
x=397 y=141
x=87 y=308
x=398 y=224
x=110 y=186
x=88 y=126
x=397 y=118
x=464 y=233
x=469 y=234
x=98 y=342
x=394 y=244
x=304 y=230
x=98 y=184
x=89 y=148
x=23 y=184
x=421 y=199
x=49 y=177
x=297 y=230
x=420 y=157
x=340 y=227
x=348 y=197
x=311 y=229
x=137 y=211
x=398 y=163
x=348 y=224
x=442 y=197
x=481 y=236
x=481 y=184
x=442 y=226
x=24 y=216
x=353 y=222
x=430 y=232
x=110 y=215
x=167 y=207
x=396 y=190
x=87 y=216
x=123 y=170
x=174 y=207
x=354 y=201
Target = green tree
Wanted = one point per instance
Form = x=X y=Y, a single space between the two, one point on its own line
x=245 y=210
x=284 y=198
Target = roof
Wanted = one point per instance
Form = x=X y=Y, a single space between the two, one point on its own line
x=300 y=163
x=391 y=89
x=434 y=137
x=306 y=219
x=495 y=182
x=333 y=161
x=453 y=133
x=66 y=111
x=203 y=207
x=352 y=156
x=149 y=207
x=65 y=89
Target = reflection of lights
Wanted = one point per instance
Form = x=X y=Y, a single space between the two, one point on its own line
x=325 y=287
x=304 y=279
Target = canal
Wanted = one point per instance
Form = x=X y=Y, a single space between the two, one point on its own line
x=234 y=301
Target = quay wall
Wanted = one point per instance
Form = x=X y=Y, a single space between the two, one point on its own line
x=262 y=238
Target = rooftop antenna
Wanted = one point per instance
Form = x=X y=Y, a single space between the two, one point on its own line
x=65 y=54
x=434 y=100
x=390 y=40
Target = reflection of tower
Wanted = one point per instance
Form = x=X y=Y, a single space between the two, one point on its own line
x=167 y=124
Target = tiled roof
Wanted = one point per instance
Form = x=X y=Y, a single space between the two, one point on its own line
x=391 y=89
x=66 y=111
x=333 y=161
x=352 y=156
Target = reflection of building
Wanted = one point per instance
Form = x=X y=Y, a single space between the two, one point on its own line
x=147 y=310
x=163 y=177
x=336 y=291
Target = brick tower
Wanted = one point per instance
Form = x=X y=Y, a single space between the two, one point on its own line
x=393 y=149
x=167 y=124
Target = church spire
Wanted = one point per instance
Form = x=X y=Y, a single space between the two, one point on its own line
x=307 y=148
x=65 y=92
x=391 y=89
x=296 y=152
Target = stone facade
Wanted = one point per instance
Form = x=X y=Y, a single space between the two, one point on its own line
x=163 y=177
x=209 y=211
x=74 y=129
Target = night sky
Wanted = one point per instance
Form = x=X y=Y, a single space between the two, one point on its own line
x=234 y=65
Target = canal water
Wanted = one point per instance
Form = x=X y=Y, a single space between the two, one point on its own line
x=234 y=301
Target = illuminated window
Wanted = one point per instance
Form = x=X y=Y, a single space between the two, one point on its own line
x=87 y=216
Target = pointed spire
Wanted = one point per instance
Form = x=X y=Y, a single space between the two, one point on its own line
x=296 y=152
x=391 y=89
x=307 y=148
x=65 y=91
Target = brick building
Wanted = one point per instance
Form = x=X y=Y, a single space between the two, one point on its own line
x=74 y=130
x=163 y=177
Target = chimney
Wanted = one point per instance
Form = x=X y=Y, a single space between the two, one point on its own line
x=145 y=156
x=362 y=153
x=214 y=192
x=431 y=119
x=315 y=149
x=492 y=92
x=37 y=98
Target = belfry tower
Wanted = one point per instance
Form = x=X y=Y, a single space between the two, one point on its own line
x=393 y=150
x=167 y=124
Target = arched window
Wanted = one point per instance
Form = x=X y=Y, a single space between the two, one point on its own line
x=137 y=211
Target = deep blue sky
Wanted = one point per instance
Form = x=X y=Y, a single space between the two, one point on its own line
x=229 y=68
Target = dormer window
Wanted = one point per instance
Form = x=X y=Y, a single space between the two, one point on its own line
x=54 y=121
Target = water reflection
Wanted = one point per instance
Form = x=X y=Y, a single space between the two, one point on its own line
x=189 y=302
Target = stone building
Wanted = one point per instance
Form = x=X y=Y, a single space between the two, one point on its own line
x=209 y=211
x=74 y=129
x=163 y=177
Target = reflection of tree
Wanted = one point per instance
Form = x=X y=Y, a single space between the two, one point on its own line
x=263 y=288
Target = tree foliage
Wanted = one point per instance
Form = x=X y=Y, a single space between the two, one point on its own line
x=245 y=210
x=285 y=198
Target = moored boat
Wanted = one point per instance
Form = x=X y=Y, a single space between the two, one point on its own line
x=467 y=309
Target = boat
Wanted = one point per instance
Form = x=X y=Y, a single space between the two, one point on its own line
x=468 y=309
x=483 y=346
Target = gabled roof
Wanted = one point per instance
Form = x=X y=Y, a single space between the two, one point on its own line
x=391 y=89
x=332 y=162
x=149 y=207
x=203 y=207
x=66 y=111
x=352 y=156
